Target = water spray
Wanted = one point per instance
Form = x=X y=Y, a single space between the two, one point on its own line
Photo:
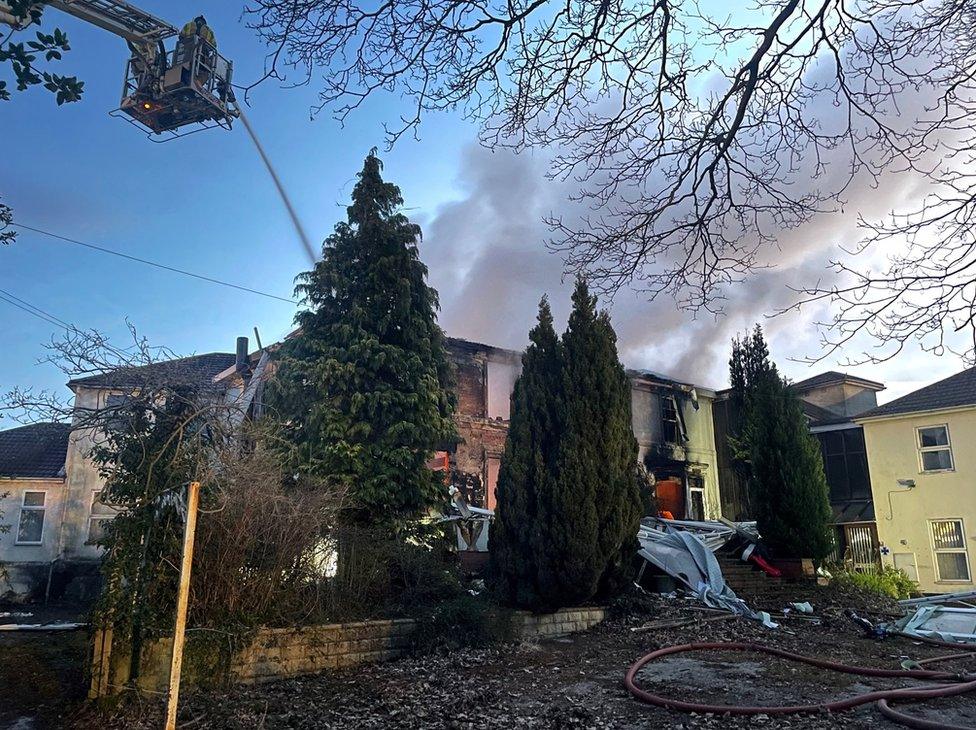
x=309 y=249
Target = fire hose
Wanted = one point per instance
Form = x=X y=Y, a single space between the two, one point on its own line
x=950 y=684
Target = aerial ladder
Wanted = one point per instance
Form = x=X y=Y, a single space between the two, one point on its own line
x=165 y=92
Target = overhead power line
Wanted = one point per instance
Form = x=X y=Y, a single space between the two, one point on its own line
x=26 y=306
x=70 y=329
x=156 y=264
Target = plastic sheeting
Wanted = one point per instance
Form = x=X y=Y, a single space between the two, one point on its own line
x=688 y=558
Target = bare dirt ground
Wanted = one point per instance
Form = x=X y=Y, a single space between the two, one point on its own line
x=576 y=682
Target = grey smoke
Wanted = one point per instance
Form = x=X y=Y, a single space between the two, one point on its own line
x=487 y=258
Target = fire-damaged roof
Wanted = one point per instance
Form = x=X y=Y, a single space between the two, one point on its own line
x=470 y=347
x=34 y=452
x=192 y=370
x=952 y=392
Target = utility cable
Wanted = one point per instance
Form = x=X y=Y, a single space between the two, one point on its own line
x=24 y=305
x=31 y=310
x=156 y=264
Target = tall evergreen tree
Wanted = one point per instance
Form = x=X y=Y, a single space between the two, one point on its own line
x=364 y=387
x=568 y=503
x=518 y=533
x=596 y=505
x=778 y=455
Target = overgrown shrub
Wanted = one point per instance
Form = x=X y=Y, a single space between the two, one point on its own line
x=380 y=575
x=263 y=545
x=890 y=582
x=462 y=621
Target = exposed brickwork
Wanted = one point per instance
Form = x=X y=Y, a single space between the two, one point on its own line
x=744 y=577
x=481 y=438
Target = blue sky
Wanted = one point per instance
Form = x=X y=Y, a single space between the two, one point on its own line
x=205 y=203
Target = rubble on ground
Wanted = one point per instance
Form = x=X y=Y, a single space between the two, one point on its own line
x=575 y=682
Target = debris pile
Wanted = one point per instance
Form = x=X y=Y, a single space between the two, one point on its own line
x=685 y=550
x=948 y=617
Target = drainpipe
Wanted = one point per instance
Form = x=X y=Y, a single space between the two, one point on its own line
x=59 y=546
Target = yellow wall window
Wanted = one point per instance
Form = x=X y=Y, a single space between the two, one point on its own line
x=949 y=546
x=934 y=449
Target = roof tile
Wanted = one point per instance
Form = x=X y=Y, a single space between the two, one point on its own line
x=197 y=369
x=952 y=392
x=37 y=451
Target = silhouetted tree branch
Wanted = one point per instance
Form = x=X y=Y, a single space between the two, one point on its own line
x=696 y=136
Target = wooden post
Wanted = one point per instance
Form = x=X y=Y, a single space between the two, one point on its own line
x=182 y=598
x=101 y=663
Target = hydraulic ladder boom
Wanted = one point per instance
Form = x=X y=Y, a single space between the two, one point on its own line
x=118 y=17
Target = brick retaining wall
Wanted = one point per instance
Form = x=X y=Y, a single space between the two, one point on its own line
x=278 y=653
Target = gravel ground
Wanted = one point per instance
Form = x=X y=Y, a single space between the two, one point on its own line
x=575 y=682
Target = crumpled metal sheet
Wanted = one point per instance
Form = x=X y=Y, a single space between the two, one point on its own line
x=685 y=556
x=712 y=533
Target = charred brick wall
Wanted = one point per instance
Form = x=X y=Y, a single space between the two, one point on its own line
x=482 y=439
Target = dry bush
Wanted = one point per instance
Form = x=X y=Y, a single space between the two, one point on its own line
x=273 y=550
x=263 y=545
x=378 y=574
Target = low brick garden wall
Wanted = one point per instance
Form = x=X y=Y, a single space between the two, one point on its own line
x=277 y=653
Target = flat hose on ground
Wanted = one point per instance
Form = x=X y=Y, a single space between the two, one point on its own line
x=954 y=684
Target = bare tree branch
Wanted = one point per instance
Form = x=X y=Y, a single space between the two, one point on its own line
x=695 y=139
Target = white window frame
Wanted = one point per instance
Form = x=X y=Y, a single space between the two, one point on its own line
x=926 y=449
x=32 y=508
x=92 y=517
x=961 y=550
x=690 y=492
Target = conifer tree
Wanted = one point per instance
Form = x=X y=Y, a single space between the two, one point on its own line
x=568 y=503
x=596 y=505
x=364 y=387
x=778 y=455
x=518 y=532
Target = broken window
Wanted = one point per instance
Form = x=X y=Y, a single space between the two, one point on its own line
x=935 y=451
x=696 y=497
x=492 y=465
x=949 y=545
x=30 y=529
x=501 y=382
x=673 y=426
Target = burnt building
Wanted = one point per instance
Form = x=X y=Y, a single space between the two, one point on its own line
x=672 y=422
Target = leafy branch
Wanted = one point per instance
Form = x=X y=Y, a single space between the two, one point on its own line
x=6 y=220
x=23 y=57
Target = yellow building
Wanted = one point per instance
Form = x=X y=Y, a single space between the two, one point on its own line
x=922 y=455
